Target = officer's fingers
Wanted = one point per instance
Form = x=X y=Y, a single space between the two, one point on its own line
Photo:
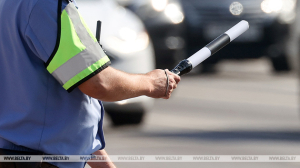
x=175 y=86
x=177 y=78
x=173 y=83
x=170 y=90
x=171 y=86
x=174 y=76
x=167 y=96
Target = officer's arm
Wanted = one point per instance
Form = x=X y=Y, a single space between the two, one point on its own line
x=108 y=164
x=114 y=85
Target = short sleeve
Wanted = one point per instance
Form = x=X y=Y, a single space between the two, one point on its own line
x=76 y=56
x=41 y=31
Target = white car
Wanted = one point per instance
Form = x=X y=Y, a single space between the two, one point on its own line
x=127 y=43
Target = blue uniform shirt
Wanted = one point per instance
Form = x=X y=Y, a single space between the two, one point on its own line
x=36 y=112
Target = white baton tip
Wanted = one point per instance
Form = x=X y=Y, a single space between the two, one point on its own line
x=237 y=30
x=199 y=56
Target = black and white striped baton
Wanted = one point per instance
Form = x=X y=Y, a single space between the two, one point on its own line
x=187 y=65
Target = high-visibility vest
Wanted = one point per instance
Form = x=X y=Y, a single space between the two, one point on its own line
x=77 y=55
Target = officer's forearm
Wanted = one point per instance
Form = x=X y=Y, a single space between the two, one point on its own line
x=114 y=85
x=107 y=164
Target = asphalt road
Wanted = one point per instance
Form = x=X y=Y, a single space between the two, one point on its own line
x=243 y=110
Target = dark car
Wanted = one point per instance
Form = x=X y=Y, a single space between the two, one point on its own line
x=163 y=20
x=270 y=28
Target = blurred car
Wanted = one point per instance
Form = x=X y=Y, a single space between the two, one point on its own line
x=164 y=21
x=270 y=28
x=126 y=42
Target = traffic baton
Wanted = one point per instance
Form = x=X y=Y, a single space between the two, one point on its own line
x=185 y=66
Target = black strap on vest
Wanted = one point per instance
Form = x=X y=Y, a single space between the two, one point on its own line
x=59 y=8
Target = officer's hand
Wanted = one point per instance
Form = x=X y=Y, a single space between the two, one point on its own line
x=160 y=83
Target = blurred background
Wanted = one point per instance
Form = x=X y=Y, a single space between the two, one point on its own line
x=241 y=101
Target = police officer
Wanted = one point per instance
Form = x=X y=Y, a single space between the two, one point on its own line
x=53 y=74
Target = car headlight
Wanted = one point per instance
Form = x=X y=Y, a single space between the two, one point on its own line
x=276 y=6
x=269 y=6
x=172 y=10
x=174 y=13
x=285 y=9
x=159 y=5
x=128 y=41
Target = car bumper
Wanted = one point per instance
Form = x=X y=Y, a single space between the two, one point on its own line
x=141 y=103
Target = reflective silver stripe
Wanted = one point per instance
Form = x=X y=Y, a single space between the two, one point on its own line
x=81 y=31
x=78 y=63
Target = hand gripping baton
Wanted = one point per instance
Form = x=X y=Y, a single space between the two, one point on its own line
x=187 y=65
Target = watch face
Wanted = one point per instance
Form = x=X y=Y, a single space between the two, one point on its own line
x=236 y=8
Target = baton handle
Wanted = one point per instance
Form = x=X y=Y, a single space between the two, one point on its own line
x=184 y=67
